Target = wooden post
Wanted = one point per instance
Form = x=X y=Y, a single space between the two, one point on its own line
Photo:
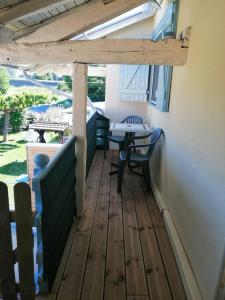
x=25 y=241
x=7 y=274
x=79 y=130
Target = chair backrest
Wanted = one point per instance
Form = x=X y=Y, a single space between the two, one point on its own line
x=154 y=137
x=133 y=120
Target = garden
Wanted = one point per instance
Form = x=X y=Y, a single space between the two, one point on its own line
x=15 y=117
x=22 y=105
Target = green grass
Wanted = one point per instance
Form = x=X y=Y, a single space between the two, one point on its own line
x=13 y=159
x=13 y=155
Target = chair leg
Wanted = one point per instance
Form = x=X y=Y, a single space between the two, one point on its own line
x=105 y=148
x=122 y=165
x=148 y=177
x=105 y=153
x=143 y=171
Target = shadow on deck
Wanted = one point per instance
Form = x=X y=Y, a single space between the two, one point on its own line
x=120 y=248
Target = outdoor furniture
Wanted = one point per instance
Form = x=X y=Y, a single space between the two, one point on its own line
x=129 y=131
x=120 y=139
x=102 y=129
x=42 y=126
x=138 y=159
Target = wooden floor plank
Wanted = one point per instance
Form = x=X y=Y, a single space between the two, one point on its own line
x=93 y=286
x=155 y=273
x=135 y=271
x=138 y=298
x=92 y=189
x=121 y=249
x=73 y=277
x=172 y=271
x=115 y=267
x=64 y=262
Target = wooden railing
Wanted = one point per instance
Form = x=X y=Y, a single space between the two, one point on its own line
x=55 y=202
x=23 y=254
x=54 y=187
x=91 y=141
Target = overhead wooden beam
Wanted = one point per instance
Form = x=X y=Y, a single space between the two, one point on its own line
x=106 y=51
x=79 y=19
x=5 y=35
x=26 y=9
x=79 y=130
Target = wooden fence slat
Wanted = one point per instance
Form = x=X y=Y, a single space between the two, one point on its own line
x=7 y=274
x=24 y=240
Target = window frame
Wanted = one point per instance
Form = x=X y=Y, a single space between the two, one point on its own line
x=167 y=24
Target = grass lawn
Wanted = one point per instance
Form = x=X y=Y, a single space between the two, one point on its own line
x=13 y=156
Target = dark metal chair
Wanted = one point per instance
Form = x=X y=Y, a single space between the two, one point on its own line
x=120 y=140
x=136 y=159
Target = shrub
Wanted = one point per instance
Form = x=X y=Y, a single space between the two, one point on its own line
x=15 y=105
x=4 y=81
x=96 y=87
x=16 y=120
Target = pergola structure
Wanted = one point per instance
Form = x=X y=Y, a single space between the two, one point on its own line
x=37 y=32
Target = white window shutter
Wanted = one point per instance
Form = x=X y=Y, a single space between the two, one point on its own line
x=134 y=82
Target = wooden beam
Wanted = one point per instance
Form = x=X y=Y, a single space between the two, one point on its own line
x=79 y=130
x=6 y=35
x=26 y=9
x=80 y=19
x=108 y=51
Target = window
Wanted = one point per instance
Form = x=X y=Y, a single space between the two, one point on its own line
x=160 y=76
x=134 y=83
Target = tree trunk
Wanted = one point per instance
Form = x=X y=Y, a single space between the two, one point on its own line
x=6 y=127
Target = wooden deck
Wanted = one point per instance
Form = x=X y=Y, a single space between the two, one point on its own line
x=120 y=248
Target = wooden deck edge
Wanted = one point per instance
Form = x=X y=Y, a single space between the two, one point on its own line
x=188 y=278
x=62 y=266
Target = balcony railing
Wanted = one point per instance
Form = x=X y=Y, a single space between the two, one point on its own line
x=53 y=185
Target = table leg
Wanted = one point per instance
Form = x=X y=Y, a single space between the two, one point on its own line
x=125 y=147
x=61 y=137
x=41 y=136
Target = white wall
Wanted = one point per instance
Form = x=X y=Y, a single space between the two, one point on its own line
x=189 y=167
x=116 y=109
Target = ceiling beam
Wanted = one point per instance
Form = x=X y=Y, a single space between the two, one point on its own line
x=102 y=51
x=26 y=9
x=5 y=35
x=78 y=20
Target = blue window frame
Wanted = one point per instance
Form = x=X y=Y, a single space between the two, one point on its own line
x=160 y=76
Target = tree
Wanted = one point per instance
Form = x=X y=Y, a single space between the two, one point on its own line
x=96 y=87
x=4 y=86
x=17 y=103
x=4 y=81
x=66 y=85
x=46 y=76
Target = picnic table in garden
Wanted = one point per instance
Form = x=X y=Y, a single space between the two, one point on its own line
x=41 y=126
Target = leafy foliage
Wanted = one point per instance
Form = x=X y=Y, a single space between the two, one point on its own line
x=16 y=120
x=96 y=87
x=18 y=102
x=4 y=81
x=47 y=76
x=15 y=104
x=66 y=85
